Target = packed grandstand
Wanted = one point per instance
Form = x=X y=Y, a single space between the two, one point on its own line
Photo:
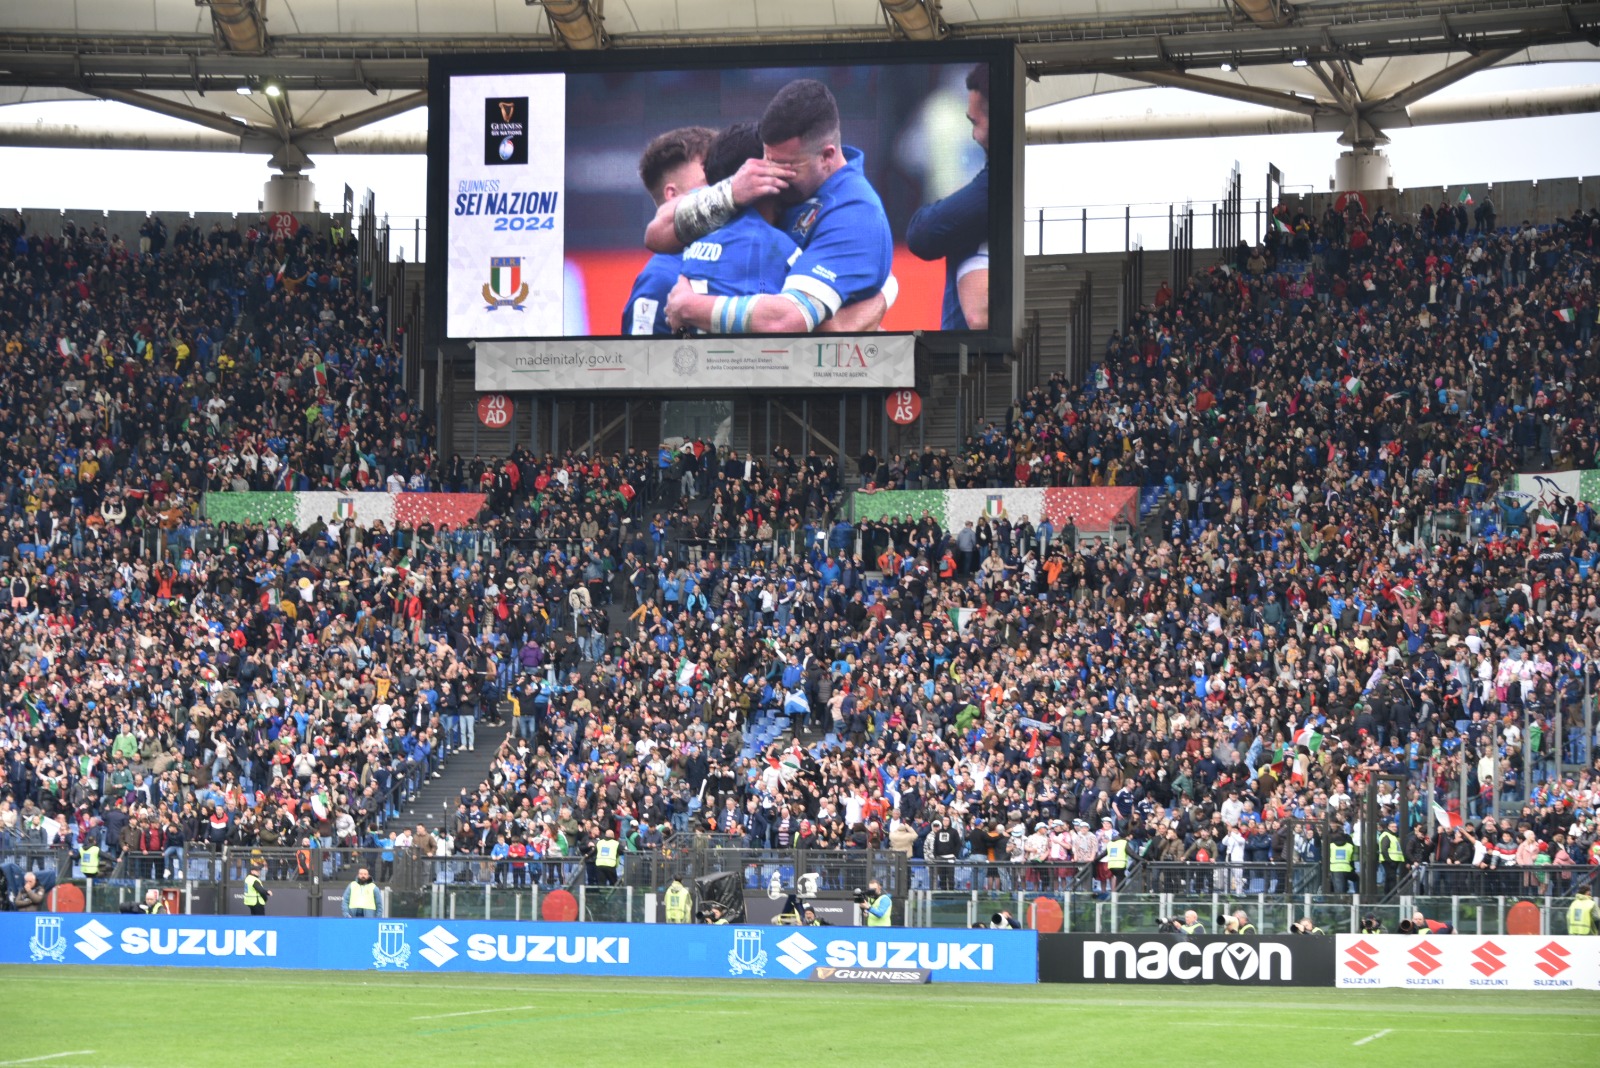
x=1334 y=577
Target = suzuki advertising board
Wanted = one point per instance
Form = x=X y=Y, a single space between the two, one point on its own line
x=656 y=950
x=1305 y=960
x=1468 y=962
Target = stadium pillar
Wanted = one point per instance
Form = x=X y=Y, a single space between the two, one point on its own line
x=1369 y=841
x=840 y=440
x=1527 y=762
x=1561 y=713
x=292 y=192
x=1588 y=717
x=1361 y=168
x=1496 y=800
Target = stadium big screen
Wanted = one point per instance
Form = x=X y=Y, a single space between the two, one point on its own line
x=579 y=199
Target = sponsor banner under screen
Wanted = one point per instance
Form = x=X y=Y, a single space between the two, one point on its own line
x=663 y=951
x=873 y=361
x=1469 y=962
x=1300 y=961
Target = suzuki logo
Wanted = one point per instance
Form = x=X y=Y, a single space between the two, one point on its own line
x=796 y=955
x=1425 y=959
x=1363 y=957
x=1554 y=959
x=1489 y=959
x=92 y=940
x=436 y=947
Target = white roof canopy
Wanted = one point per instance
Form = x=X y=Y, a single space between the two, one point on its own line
x=338 y=65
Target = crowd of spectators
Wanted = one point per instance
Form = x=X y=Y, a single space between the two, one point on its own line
x=169 y=684
x=1333 y=582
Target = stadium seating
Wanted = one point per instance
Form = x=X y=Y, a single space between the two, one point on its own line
x=1335 y=576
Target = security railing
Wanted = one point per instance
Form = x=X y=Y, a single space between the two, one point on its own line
x=958 y=892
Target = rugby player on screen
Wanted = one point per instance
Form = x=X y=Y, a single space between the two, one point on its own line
x=671 y=166
x=749 y=256
x=956 y=228
x=841 y=282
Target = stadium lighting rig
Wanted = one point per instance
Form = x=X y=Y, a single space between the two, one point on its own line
x=576 y=23
x=919 y=20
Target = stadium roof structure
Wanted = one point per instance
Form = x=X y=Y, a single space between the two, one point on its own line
x=292 y=78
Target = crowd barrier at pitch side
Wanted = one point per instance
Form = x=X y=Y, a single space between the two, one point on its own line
x=1523 y=962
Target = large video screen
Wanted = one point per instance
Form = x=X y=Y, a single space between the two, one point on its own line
x=743 y=192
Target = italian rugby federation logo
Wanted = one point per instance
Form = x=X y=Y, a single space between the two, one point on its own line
x=505 y=287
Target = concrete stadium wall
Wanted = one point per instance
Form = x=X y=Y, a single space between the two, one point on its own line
x=49 y=221
x=1540 y=202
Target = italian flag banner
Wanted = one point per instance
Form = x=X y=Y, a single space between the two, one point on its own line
x=1089 y=508
x=302 y=510
x=1308 y=737
x=961 y=618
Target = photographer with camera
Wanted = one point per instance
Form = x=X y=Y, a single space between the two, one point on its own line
x=1189 y=925
x=1306 y=926
x=152 y=905
x=30 y=896
x=1419 y=924
x=1237 y=924
x=876 y=906
x=1370 y=925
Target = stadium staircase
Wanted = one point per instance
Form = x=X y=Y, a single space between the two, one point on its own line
x=437 y=799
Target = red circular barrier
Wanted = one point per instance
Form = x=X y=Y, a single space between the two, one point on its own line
x=1044 y=915
x=559 y=907
x=66 y=898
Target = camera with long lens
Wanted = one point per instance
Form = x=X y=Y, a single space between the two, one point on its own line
x=861 y=896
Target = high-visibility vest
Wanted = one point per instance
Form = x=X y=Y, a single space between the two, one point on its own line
x=1389 y=848
x=1117 y=854
x=89 y=861
x=254 y=892
x=158 y=909
x=1247 y=929
x=1192 y=928
x=302 y=863
x=888 y=912
x=677 y=904
x=1580 y=916
x=605 y=853
x=364 y=896
x=1339 y=857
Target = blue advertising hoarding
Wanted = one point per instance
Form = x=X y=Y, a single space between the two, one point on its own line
x=650 y=950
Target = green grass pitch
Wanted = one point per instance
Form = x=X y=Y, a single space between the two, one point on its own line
x=67 y=1017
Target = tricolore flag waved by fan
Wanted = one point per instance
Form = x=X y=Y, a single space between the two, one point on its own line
x=686 y=669
x=1567 y=315
x=788 y=765
x=1308 y=737
x=1447 y=819
x=961 y=618
x=1405 y=592
x=1465 y=197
